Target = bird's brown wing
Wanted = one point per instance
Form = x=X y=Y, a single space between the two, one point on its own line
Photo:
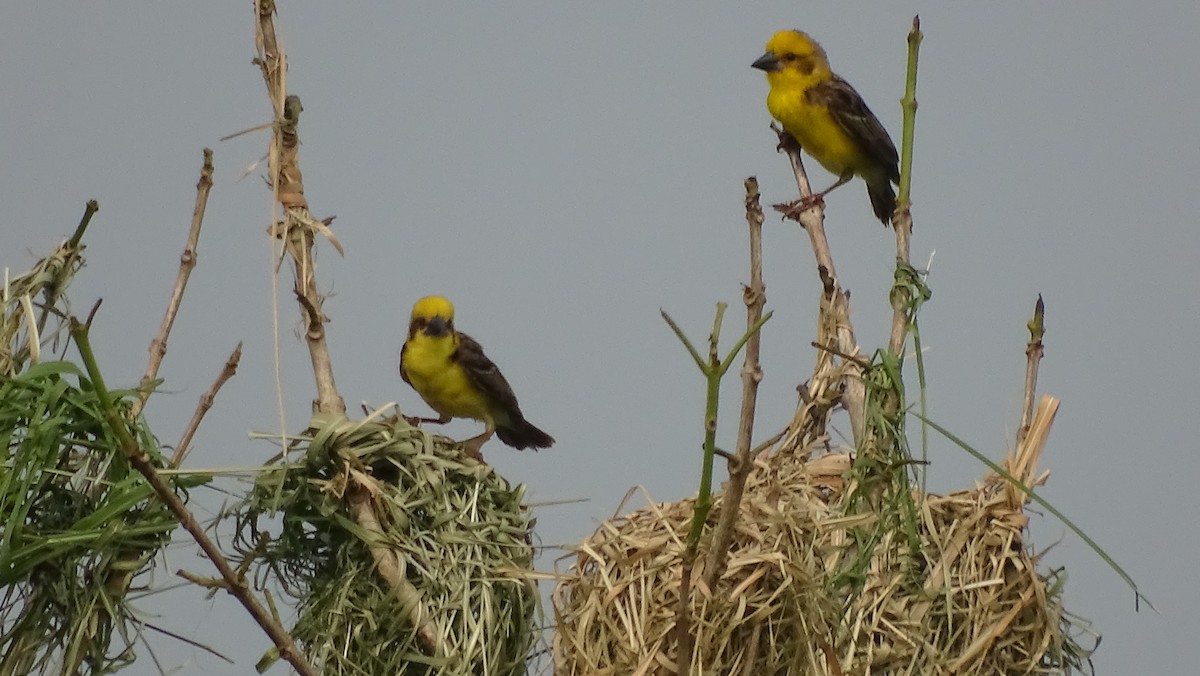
x=851 y=113
x=486 y=376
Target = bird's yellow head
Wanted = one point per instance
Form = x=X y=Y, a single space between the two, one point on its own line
x=792 y=56
x=432 y=315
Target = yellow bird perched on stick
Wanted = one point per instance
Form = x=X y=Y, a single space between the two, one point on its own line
x=453 y=375
x=829 y=119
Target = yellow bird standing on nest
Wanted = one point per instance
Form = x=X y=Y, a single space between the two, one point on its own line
x=453 y=375
x=829 y=119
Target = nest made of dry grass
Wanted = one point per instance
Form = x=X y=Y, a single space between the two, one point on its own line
x=972 y=602
x=456 y=532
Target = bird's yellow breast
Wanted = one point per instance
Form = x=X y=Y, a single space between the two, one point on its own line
x=441 y=382
x=818 y=133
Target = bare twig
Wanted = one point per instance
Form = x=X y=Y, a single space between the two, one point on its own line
x=1033 y=357
x=235 y=584
x=206 y=402
x=835 y=327
x=187 y=261
x=755 y=297
x=812 y=219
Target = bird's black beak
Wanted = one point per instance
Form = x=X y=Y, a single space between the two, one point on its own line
x=767 y=62
x=437 y=327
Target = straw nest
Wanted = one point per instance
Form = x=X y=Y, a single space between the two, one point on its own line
x=404 y=556
x=971 y=602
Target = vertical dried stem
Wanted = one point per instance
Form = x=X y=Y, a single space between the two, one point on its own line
x=811 y=219
x=755 y=297
x=298 y=228
x=837 y=331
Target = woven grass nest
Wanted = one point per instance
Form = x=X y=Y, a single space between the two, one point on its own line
x=979 y=607
x=404 y=556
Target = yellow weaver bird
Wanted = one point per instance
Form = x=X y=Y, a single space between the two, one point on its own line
x=453 y=375
x=829 y=119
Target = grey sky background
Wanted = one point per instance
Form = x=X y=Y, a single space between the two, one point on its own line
x=563 y=170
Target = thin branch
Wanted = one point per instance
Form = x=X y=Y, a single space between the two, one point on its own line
x=755 y=297
x=1033 y=356
x=835 y=305
x=187 y=262
x=235 y=584
x=737 y=347
x=206 y=402
x=683 y=339
x=811 y=219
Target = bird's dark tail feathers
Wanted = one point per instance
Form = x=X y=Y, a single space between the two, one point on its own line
x=883 y=199
x=521 y=434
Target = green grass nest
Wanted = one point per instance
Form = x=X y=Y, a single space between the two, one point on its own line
x=404 y=556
